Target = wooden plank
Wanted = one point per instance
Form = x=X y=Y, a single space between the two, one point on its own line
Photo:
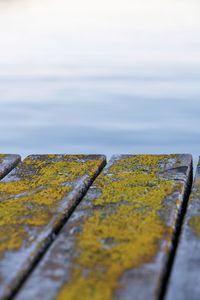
x=117 y=243
x=184 y=282
x=35 y=199
x=7 y=163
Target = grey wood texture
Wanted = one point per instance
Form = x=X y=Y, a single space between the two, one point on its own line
x=7 y=163
x=36 y=198
x=118 y=241
x=184 y=283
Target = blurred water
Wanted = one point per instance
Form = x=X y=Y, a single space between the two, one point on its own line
x=99 y=76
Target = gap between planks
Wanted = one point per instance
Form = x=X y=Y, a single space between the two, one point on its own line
x=184 y=281
x=7 y=163
x=168 y=258
x=176 y=237
x=76 y=195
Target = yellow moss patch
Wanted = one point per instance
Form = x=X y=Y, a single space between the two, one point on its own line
x=35 y=194
x=123 y=234
x=194 y=222
x=11 y=238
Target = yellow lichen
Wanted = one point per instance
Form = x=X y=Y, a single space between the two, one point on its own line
x=33 y=196
x=124 y=230
x=194 y=222
x=11 y=237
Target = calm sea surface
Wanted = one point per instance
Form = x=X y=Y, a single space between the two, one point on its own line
x=100 y=76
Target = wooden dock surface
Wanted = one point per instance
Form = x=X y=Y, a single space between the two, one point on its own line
x=36 y=198
x=7 y=163
x=73 y=227
x=184 y=282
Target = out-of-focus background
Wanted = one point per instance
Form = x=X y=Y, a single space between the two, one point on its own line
x=109 y=76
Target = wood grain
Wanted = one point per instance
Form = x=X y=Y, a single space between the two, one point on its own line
x=7 y=163
x=185 y=277
x=118 y=241
x=36 y=198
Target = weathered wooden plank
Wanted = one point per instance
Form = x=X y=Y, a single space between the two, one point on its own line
x=117 y=243
x=184 y=282
x=35 y=199
x=7 y=163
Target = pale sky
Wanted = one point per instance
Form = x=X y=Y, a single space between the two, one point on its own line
x=46 y=32
x=110 y=76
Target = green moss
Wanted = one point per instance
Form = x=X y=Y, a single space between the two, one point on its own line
x=33 y=197
x=125 y=232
